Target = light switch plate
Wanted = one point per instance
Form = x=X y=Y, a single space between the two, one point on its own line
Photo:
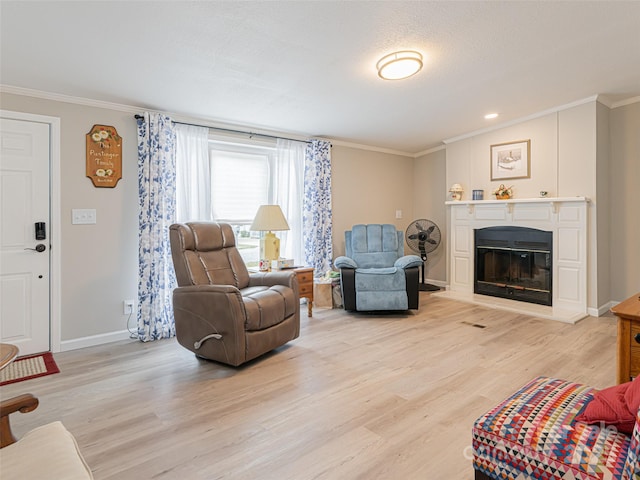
x=83 y=216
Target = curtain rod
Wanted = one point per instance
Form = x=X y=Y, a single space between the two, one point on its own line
x=251 y=134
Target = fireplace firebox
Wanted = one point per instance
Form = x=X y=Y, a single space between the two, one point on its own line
x=514 y=263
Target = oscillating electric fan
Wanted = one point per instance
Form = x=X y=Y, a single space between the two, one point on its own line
x=423 y=237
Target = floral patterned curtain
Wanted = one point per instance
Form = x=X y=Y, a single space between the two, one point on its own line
x=157 y=199
x=317 y=215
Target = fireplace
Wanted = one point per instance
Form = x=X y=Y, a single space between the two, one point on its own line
x=515 y=263
x=564 y=219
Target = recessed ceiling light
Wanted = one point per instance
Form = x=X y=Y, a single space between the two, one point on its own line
x=489 y=116
x=399 y=65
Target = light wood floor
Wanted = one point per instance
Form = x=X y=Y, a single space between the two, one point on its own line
x=355 y=397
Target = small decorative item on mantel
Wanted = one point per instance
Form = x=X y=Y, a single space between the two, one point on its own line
x=456 y=191
x=104 y=156
x=503 y=193
x=478 y=195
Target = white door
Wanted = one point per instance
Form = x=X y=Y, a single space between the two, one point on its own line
x=24 y=260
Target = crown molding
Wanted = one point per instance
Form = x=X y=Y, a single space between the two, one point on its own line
x=431 y=150
x=516 y=121
x=213 y=123
x=134 y=109
x=604 y=100
x=58 y=97
x=370 y=148
x=623 y=103
x=137 y=109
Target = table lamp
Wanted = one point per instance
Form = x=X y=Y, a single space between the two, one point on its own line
x=268 y=218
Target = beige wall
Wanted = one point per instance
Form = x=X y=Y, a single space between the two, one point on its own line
x=624 y=187
x=429 y=194
x=99 y=263
x=368 y=187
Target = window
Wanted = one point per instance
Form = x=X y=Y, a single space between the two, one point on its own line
x=227 y=178
x=239 y=182
x=239 y=185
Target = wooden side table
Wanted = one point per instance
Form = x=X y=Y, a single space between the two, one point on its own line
x=628 y=313
x=305 y=286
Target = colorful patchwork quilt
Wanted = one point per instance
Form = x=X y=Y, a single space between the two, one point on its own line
x=533 y=435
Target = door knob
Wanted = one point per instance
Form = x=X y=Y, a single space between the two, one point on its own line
x=39 y=248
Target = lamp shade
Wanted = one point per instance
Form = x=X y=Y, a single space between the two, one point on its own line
x=269 y=218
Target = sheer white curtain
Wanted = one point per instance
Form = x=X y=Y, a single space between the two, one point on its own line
x=288 y=188
x=193 y=174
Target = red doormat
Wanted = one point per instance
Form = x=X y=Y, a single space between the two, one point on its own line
x=25 y=368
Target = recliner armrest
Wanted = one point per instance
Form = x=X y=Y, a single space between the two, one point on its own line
x=202 y=302
x=224 y=289
x=269 y=279
x=408 y=261
x=345 y=262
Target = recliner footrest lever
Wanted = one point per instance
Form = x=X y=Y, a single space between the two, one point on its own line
x=199 y=343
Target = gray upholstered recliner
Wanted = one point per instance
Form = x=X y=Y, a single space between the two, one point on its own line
x=375 y=274
x=221 y=311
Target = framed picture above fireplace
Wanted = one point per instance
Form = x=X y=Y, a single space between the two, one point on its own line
x=511 y=160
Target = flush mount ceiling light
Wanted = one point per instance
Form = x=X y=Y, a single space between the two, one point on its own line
x=489 y=116
x=399 y=65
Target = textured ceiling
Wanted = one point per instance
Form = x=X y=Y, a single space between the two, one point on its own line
x=307 y=67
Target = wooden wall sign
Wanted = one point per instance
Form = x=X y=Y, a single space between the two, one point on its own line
x=104 y=156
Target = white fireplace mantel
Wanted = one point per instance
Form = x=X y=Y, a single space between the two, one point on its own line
x=554 y=202
x=565 y=217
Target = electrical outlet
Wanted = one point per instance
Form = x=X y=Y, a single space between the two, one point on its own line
x=127 y=307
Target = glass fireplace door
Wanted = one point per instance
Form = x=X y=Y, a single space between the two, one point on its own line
x=513 y=273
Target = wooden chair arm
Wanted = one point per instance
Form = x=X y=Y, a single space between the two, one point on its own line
x=22 y=403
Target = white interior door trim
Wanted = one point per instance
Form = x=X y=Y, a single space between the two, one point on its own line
x=54 y=219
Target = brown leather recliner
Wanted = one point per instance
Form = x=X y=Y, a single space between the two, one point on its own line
x=222 y=312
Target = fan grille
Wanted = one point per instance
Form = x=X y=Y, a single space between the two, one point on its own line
x=423 y=236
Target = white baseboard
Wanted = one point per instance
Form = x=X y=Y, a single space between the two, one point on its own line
x=438 y=283
x=94 y=340
x=602 y=309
